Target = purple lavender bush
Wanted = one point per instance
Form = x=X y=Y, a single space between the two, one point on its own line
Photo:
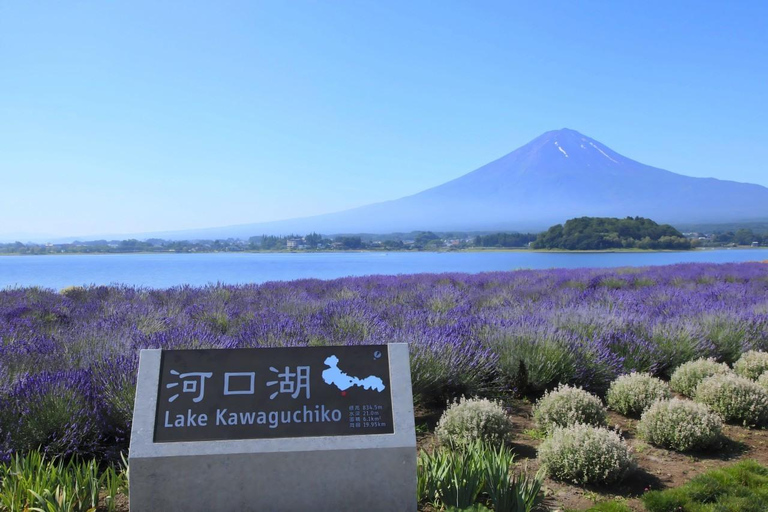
x=68 y=359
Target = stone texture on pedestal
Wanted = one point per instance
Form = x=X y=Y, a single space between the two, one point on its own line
x=332 y=473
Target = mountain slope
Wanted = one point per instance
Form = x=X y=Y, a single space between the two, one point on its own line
x=559 y=175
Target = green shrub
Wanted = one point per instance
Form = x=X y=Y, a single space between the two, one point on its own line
x=735 y=399
x=471 y=419
x=634 y=393
x=584 y=454
x=566 y=406
x=679 y=425
x=751 y=364
x=688 y=375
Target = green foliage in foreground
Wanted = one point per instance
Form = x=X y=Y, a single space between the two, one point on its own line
x=32 y=482
x=741 y=487
x=610 y=506
x=474 y=475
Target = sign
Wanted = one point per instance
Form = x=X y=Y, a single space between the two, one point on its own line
x=327 y=429
x=261 y=393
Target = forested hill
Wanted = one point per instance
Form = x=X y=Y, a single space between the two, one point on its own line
x=595 y=233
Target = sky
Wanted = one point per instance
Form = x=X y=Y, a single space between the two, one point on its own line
x=125 y=117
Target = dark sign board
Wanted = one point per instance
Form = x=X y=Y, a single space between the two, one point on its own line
x=224 y=394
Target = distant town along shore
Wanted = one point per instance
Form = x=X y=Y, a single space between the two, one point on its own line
x=585 y=233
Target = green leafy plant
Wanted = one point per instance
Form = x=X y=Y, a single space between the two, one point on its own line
x=566 y=406
x=56 y=501
x=688 y=375
x=32 y=482
x=585 y=454
x=679 y=425
x=634 y=393
x=476 y=474
x=450 y=478
x=735 y=399
x=470 y=419
x=507 y=491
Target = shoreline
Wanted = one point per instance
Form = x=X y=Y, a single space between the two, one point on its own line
x=378 y=251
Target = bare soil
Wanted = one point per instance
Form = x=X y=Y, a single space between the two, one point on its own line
x=657 y=468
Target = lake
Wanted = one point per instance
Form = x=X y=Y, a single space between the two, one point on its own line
x=165 y=270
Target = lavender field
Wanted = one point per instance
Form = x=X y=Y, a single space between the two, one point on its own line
x=68 y=359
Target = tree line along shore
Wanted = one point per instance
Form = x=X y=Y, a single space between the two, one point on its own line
x=580 y=234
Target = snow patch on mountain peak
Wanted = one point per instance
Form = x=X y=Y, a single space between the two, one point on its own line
x=603 y=152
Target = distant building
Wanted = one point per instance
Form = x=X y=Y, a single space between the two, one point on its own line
x=295 y=243
x=755 y=244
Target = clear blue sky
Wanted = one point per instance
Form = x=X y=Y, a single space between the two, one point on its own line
x=132 y=116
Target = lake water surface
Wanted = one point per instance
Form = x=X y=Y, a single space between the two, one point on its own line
x=165 y=270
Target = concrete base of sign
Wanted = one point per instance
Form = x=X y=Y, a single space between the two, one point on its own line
x=335 y=473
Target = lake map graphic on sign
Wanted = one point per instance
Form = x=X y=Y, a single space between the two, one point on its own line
x=333 y=375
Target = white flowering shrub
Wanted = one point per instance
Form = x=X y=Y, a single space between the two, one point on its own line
x=585 y=454
x=688 y=375
x=634 y=393
x=680 y=425
x=735 y=399
x=763 y=380
x=470 y=419
x=567 y=405
x=751 y=364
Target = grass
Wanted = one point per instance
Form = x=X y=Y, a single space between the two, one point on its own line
x=741 y=487
x=610 y=506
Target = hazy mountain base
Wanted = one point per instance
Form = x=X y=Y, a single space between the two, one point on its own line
x=559 y=175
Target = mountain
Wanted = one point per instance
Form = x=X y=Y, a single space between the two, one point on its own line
x=557 y=176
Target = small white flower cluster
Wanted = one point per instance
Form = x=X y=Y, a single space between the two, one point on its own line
x=735 y=399
x=567 y=405
x=689 y=375
x=680 y=425
x=632 y=394
x=471 y=419
x=585 y=454
x=763 y=380
x=751 y=364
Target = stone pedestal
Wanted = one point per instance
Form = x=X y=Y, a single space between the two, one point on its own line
x=330 y=473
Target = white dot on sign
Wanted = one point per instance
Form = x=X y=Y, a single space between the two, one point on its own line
x=377 y=354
